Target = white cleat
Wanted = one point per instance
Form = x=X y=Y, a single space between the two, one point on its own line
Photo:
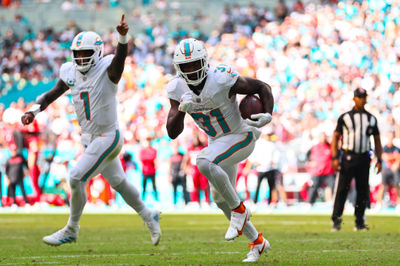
x=238 y=221
x=153 y=223
x=257 y=250
x=62 y=236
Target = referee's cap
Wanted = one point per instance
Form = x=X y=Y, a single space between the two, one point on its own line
x=359 y=92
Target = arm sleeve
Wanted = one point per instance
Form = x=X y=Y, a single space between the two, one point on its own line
x=106 y=61
x=173 y=90
x=374 y=126
x=65 y=76
x=339 y=126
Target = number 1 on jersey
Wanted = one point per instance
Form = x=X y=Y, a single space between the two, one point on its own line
x=85 y=97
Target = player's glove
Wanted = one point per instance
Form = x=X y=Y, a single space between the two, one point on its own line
x=261 y=119
x=186 y=102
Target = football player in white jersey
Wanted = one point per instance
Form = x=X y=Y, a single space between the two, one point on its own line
x=92 y=80
x=208 y=95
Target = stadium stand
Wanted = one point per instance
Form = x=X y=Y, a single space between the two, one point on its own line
x=313 y=60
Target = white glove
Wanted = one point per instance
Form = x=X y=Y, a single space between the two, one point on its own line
x=186 y=102
x=261 y=120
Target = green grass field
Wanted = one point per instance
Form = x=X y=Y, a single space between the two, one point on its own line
x=198 y=240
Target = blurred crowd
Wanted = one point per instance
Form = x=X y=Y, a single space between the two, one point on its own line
x=313 y=56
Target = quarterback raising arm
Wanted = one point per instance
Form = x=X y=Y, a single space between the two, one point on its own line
x=93 y=80
x=87 y=50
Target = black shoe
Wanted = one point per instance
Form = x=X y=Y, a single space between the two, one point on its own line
x=337 y=225
x=361 y=228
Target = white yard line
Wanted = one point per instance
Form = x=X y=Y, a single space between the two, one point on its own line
x=118 y=255
x=35 y=263
x=344 y=250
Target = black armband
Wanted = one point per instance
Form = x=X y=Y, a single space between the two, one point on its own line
x=379 y=160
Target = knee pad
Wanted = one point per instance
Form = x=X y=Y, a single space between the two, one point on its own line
x=75 y=183
x=119 y=186
x=204 y=166
x=207 y=168
x=75 y=174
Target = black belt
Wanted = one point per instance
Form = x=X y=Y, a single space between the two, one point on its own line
x=354 y=153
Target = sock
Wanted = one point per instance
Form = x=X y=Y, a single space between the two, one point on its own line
x=259 y=239
x=250 y=231
x=240 y=209
x=78 y=201
x=131 y=196
x=220 y=181
x=145 y=213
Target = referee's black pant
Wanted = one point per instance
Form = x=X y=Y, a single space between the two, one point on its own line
x=357 y=166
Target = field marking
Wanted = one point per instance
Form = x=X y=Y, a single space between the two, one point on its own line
x=293 y=222
x=265 y=222
x=12 y=237
x=344 y=250
x=205 y=222
x=17 y=220
x=35 y=263
x=310 y=240
x=123 y=255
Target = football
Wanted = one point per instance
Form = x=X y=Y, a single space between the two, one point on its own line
x=249 y=105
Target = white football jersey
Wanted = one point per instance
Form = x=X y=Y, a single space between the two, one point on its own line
x=213 y=110
x=93 y=96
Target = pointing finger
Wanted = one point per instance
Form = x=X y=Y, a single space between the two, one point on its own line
x=122 y=18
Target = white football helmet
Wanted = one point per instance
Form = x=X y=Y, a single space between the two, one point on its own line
x=191 y=50
x=87 y=40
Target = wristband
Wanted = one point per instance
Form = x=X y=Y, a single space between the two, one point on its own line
x=123 y=39
x=379 y=160
x=35 y=109
x=335 y=157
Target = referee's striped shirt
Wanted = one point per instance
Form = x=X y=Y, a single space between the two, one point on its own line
x=356 y=129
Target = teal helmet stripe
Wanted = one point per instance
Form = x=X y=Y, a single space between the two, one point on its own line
x=78 y=42
x=187 y=49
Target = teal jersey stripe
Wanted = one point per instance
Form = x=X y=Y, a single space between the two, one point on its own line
x=234 y=148
x=102 y=157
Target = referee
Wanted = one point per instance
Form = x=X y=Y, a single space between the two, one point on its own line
x=354 y=129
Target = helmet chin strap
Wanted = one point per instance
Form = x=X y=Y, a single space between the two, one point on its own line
x=86 y=67
x=84 y=72
x=197 y=89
